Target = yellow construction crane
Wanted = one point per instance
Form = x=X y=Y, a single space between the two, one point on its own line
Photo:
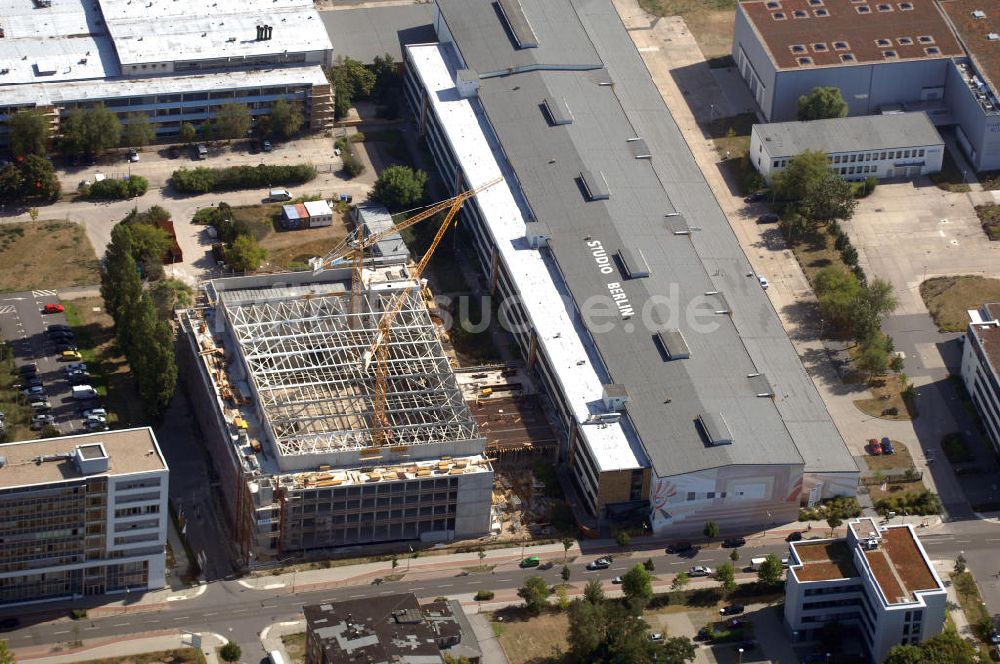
x=379 y=348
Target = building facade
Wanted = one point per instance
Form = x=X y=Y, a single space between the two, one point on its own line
x=590 y=216
x=177 y=62
x=900 y=145
x=83 y=515
x=919 y=55
x=878 y=581
x=980 y=362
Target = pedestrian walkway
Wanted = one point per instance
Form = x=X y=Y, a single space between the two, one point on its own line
x=122 y=647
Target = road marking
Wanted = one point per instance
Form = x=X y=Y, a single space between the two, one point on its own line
x=43 y=293
x=65 y=631
x=211 y=614
x=417 y=588
x=7 y=309
x=354 y=596
x=121 y=624
x=648 y=49
x=238 y=611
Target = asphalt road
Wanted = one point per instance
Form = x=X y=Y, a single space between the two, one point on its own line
x=23 y=324
x=239 y=613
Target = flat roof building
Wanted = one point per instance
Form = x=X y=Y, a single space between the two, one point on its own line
x=386 y=629
x=894 y=145
x=580 y=242
x=173 y=61
x=288 y=407
x=878 y=581
x=918 y=55
x=981 y=366
x=83 y=515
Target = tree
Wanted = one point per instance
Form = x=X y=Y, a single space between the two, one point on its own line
x=726 y=575
x=828 y=198
x=149 y=242
x=482 y=554
x=395 y=562
x=244 y=254
x=622 y=539
x=230 y=652
x=388 y=84
x=822 y=104
x=49 y=431
x=535 y=593
x=138 y=131
x=711 y=530
x=907 y=654
x=586 y=629
x=187 y=132
x=834 y=522
x=769 y=572
x=873 y=303
x=451 y=659
x=285 y=119
x=593 y=592
x=565 y=574
x=803 y=171
x=897 y=364
x=734 y=555
x=945 y=648
x=38 y=179
x=6 y=656
x=677 y=650
x=11 y=183
x=637 y=586
x=960 y=563
x=29 y=133
x=872 y=359
x=562 y=598
x=567 y=543
x=650 y=567
x=90 y=131
x=232 y=121
x=681 y=579
x=399 y=187
x=351 y=80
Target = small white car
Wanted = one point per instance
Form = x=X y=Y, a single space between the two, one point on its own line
x=700 y=570
x=763 y=282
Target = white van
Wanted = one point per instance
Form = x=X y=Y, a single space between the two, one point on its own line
x=276 y=657
x=84 y=392
x=279 y=195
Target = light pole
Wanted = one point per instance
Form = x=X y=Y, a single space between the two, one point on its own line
x=711 y=113
x=739 y=652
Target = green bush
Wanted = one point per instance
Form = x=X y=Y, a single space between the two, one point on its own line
x=203 y=180
x=484 y=595
x=920 y=504
x=841 y=507
x=78 y=614
x=131 y=187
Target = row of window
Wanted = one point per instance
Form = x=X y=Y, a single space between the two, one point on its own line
x=873 y=156
x=369 y=503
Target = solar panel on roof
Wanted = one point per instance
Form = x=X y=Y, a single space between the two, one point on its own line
x=517 y=22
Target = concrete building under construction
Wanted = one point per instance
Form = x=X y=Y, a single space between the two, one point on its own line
x=286 y=404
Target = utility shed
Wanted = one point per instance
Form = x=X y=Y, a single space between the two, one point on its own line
x=319 y=212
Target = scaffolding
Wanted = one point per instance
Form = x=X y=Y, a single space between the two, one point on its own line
x=303 y=355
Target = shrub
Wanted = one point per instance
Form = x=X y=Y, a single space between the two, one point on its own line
x=230 y=652
x=353 y=166
x=920 y=504
x=842 y=507
x=203 y=180
x=484 y=595
x=117 y=189
x=78 y=614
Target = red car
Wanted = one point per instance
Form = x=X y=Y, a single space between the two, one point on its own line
x=874 y=447
x=52 y=309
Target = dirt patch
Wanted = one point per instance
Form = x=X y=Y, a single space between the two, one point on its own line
x=535 y=640
x=111 y=376
x=900 y=459
x=49 y=254
x=895 y=490
x=887 y=400
x=292 y=249
x=989 y=215
x=710 y=21
x=949 y=298
x=295 y=646
x=178 y=656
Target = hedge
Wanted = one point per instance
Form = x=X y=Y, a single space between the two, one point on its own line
x=131 y=187
x=204 y=180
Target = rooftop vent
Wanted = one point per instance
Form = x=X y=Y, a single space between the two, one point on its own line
x=718 y=302
x=889 y=54
x=558 y=111
x=885 y=8
x=932 y=50
x=778 y=16
x=820 y=47
x=904 y=41
x=816 y=3
x=797 y=48
x=821 y=13
x=596 y=186
x=639 y=148
x=673 y=343
x=773 y=5
x=800 y=13
x=925 y=39
x=614 y=396
x=91 y=458
x=978 y=13
x=715 y=429
x=678 y=225
x=863 y=9
x=992 y=36
x=760 y=385
x=905 y=6
x=517 y=23
x=805 y=61
x=841 y=46
x=847 y=57
x=882 y=43
x=634 y=262
x=466 y=83
x=537 y=234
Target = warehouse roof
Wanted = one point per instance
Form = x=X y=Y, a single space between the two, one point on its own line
x=693 y=280
x=365 y=32
x=978 y=24
x=847 y=32
x=854 y=134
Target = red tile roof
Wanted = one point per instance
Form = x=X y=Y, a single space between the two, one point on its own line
x=826 y=30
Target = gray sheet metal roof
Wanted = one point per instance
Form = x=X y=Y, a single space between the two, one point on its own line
x=667 y=398
x=364 y=32
x=865 y=132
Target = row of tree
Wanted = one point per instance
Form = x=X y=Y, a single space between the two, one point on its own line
x=143 y=336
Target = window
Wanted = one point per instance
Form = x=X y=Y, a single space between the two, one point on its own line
x=925 y=39
x=906 y=154
x=836 y=159
x=777 y=163
x=841 y=46
x=881 y=155
x=881 y=43
x=920 y=152
x=932 y=50
x=820 y=13
x=889 y=54
x=850 y=170
x=854 y=158
x=690 y=495
x=800 y=13
x=778 y=16
x=899 y=154
x=904 y=41
x=805 y=61
x=885 y=7
x=863 y=9
x=820 y=47
x=710 y=495
x=846 y=57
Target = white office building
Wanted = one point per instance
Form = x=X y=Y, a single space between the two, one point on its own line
x=83 y=515
x=980 y=360
x=877 y=580
x=895 y=145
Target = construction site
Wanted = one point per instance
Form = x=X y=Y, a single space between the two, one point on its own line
x=333 y=415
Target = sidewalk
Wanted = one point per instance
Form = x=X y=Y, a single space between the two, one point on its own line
x=120 y=647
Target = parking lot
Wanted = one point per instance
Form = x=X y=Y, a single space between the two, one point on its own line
x=24 y=324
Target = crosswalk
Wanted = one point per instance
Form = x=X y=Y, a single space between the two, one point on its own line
x=7 y=308
x=43 y=293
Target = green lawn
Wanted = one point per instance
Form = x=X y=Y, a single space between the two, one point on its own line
x=949 y=298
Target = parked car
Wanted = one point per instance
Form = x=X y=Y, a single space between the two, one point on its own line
x=60 y=335
x=704 y=634
x=994 y=637
x=995 y=653
x=769 y=218
x=874 y=447
x=794 y=537
x=617 y=580
x=70 y=356
x=75 y=366
x=530 y=561
x=133 y=156
x=40 y=405
x=732 y=610
x=279 y=195
x=699 y=570
x=656 y=636
x=733 y=542
x=29 y=368
x=60 y=326
x=51 y=308
x=969 y=470
x=79 y=379
x=763 y=282
x=600 y=563
x=94 y=425
x=201 y=151
x=757 y=196
x=680 y=547
x=37 y=390
x=64 y=346
x=266 y=146
x=887 y=446
x=87 y=413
